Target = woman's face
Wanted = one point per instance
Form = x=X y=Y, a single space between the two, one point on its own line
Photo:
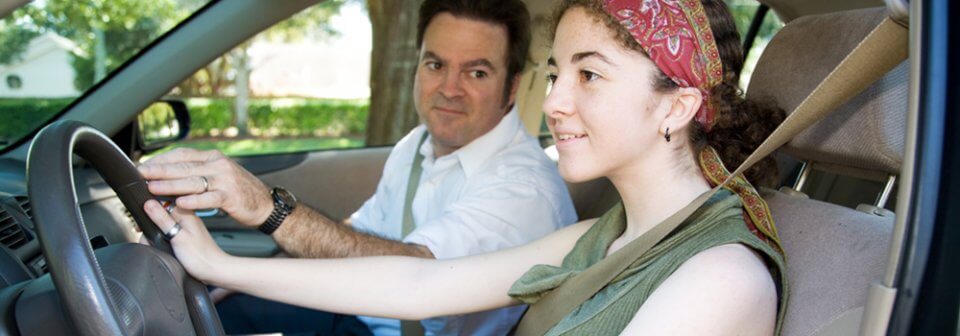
x=601 y=109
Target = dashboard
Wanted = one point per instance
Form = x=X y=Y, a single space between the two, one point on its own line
x=106 y=219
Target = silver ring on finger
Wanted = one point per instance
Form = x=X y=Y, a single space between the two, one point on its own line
x=173 y=231
x=206 y=184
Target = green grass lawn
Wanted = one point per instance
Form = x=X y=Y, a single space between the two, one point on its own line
x=255 y=146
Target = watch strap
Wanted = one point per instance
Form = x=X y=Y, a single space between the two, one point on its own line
x=280 y=212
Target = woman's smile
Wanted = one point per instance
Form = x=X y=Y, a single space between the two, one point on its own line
x=566 y=139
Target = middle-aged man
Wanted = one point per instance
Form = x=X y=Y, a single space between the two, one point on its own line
x=467 y=181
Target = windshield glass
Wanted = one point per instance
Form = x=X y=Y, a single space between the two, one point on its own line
x=52 y=51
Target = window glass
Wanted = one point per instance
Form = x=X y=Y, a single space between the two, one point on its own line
x=51 y=51
x=744 y=12
x=301 y=85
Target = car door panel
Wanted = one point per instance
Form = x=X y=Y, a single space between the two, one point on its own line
x=263 y=164
x=334 y=182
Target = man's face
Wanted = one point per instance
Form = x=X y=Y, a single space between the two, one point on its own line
x=458 y=90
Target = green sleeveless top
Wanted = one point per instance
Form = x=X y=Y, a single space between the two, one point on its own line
x=718 y=222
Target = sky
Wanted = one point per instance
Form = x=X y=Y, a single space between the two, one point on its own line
x=353 y=23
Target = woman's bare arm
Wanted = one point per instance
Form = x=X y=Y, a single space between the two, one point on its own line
x=725 y=290
x=395 y=287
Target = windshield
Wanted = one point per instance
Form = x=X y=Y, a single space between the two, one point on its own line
x=53 y=51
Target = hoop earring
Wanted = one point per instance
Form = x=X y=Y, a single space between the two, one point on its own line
x=666 y=135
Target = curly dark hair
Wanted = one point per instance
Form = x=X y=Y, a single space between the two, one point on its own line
x=740 y=125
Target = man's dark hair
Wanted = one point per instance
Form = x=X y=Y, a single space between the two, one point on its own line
x=512 y=14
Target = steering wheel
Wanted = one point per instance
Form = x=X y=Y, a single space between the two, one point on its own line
x=123 y=289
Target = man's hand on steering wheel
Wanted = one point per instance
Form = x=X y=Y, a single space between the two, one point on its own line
x=208 y=180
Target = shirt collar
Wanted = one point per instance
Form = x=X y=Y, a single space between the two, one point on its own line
x=480 y=150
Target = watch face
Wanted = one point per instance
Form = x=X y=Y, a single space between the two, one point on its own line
x=284 y=197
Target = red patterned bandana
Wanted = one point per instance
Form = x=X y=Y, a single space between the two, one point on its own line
x=677 y=36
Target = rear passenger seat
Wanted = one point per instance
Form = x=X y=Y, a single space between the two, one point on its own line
x=833 y=253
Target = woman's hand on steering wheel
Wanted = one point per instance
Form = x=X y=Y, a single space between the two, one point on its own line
x=191 y=242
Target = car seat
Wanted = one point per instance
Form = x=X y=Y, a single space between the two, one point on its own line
x=833 y=253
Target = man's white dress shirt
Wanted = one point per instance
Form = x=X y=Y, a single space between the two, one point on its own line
x=498 y=191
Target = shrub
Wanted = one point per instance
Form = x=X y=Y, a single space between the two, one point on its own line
x=22 y=116
x=211 y=117
x=282 y=117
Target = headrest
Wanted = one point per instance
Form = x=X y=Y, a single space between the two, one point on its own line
x=868 y=132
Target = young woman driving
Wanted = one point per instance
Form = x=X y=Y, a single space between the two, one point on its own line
x=643 y=93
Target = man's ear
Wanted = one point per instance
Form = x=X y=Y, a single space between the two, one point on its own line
x=684 y=105
x=514 y=85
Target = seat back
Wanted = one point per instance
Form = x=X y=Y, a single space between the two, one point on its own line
x=833 y=253
x=860 y=145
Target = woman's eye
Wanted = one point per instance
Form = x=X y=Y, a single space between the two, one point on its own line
x=551 y=78
x=588 y=76
x=478 y=74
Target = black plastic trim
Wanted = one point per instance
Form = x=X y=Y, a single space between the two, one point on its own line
x=8 y=299
x=926 y=301
x=264 y=164
x=754 y=29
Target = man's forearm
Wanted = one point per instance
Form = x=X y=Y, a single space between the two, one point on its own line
x=307 y=233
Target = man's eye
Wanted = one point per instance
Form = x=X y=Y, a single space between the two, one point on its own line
x=588 y=76
x=433 y=65
x=478 y=74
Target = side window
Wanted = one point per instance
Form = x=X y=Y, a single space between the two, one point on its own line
x=301 y=85
x=757 y=25
x=53 y=51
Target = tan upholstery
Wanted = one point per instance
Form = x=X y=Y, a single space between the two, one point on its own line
x=866 y=133
x=833 y=254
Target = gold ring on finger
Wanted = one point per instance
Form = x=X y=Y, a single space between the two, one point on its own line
x=206 y=184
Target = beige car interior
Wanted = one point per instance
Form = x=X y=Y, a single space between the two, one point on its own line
x=834 y=253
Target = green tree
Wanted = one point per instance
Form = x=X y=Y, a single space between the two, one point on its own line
x=232 y=70
x=14 y=40
x=743 y=13
x=218 y=77
x=107 y=33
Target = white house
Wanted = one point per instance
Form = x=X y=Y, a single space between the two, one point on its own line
x=338 y=67
x=44 y=70
x=309 y=70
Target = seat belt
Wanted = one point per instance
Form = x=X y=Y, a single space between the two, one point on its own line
x=413 y=183
x=412 y=328
x=882 y=50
